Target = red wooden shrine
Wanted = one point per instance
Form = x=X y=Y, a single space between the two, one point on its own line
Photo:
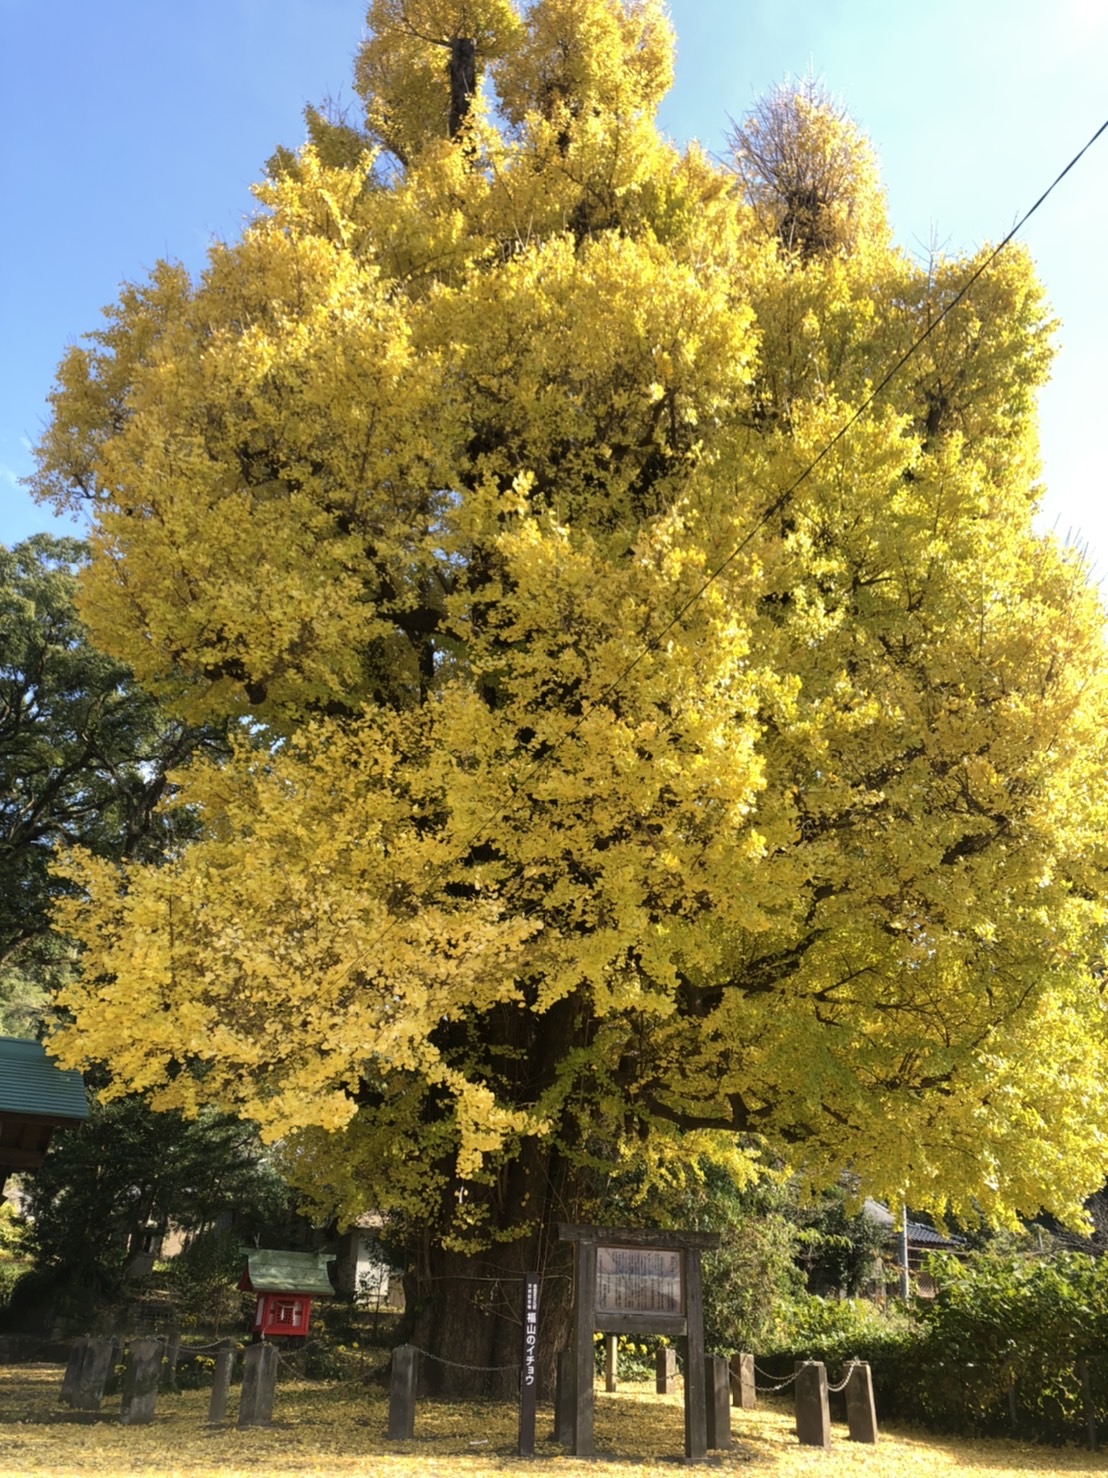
x=285 y=1283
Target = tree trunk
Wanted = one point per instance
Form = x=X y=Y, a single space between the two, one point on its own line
x=466 y=1309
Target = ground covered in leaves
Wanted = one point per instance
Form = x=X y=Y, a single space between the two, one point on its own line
x=338 y=1430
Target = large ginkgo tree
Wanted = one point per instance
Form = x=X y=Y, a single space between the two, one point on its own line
x=623 y=759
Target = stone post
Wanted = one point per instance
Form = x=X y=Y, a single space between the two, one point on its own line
x=259 y=1378
x=172 y=1355
x=402 y=1393
x=86 y=1386
x=665 y=1371
x=611 y=1348
x=718 y=1403
x=743 y=1388
x=142 y=1370
x=71 y=1378
x=813 y=1418
x=861 y=1414
x=221 y=1382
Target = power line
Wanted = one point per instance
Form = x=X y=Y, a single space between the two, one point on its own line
x=770 y=512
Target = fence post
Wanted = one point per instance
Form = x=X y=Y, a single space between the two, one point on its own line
x=86 y=1388
x=813 y=1418
x=742 y=1382
x=172 y=1355
x=142 y=1368
x=861 y=1414
x=259 y=1377
x=71 y=1378
x=402 y=1393
x=665 y=1370
x=718 y=1391
x=221 y=1382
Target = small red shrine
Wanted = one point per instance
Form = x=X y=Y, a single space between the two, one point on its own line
x=285 y=1283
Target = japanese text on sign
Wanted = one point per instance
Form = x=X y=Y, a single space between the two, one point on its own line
x=530 y=1332
x=638 y=1280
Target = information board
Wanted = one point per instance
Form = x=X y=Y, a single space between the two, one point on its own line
x=638 y=1280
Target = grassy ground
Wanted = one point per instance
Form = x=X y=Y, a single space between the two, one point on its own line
x=338 y=1431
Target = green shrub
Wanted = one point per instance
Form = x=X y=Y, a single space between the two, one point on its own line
x=1004 y=1342
x=808 y=1327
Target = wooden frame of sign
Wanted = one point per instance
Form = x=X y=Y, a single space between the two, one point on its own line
x=631 y=1281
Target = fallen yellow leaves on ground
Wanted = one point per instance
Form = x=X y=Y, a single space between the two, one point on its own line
x=338 y=1431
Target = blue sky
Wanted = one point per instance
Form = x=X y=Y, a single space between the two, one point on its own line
x=132 y=130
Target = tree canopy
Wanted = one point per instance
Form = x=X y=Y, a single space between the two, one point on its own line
x=84 y=753
x=622 y=756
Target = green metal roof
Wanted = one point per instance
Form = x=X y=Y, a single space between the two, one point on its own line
x=32 y=1083
x=288 y=1272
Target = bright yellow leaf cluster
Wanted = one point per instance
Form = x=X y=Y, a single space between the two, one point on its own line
x=511 y=867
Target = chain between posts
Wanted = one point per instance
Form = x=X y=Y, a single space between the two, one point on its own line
x=457 y=1364
x=772 y=1390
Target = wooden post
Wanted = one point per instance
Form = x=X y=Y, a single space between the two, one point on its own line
x=744 y=1392
x=718 y=1402
x=611 y=1355
x=141 y=1371
x=259 y=1378
x=221 y=1382
x=529 y=1371
x=584 y=1370
x=696 y=1416
x=665 y=1370
x=813 y=1418
x=564 y=1399
x=861 y=1414
x=402 y=1393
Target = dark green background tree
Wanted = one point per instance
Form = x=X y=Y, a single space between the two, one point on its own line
x=84 y=757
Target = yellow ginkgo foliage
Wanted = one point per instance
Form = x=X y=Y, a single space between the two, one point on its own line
x=619 y=754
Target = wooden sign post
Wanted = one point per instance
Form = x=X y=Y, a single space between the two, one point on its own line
x=629 y=1281
x=529 y=1376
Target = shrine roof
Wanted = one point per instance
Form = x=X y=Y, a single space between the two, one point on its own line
x=32 y=1083
x=268 y=1271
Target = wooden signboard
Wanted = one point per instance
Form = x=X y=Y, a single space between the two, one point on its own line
x=633 y=1281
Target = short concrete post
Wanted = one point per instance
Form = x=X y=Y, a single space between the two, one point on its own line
x=611 y=1355
x=813 y=1419
x=402 y=1393
x=563 y=1399
x=259 y=1378
x=71 y=1378
x=861 y=1414
x=172 y=1355
x=221 y=1382
x=142 y=1368
x=665 y=1370
x=743 y=1389
x=718 y=1403
x=92 y=1374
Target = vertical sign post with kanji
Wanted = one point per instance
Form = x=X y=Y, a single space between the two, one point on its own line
x=529 y=1374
